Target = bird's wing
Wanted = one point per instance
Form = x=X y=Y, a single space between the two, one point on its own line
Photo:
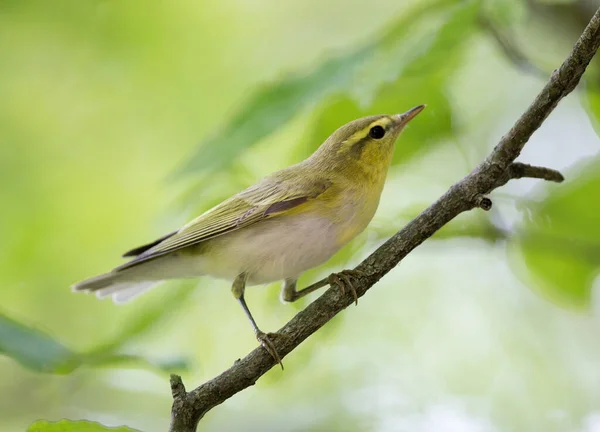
x=269 y=198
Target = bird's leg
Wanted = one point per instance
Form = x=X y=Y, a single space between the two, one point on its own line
x=289 y=293
x=238 y=288
x=342 y=279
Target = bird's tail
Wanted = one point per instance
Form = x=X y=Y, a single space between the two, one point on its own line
x=116 y=284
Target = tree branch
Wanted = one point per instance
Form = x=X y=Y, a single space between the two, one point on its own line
x=470 y=192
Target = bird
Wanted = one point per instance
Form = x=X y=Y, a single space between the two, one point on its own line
x=288 y=222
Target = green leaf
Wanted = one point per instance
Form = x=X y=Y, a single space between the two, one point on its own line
x=34 y=349
x=40 y=352
x=74 y=426
x=560 y=242
x=273 y=105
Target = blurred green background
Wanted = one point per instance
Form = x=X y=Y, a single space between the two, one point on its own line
x=121 y=120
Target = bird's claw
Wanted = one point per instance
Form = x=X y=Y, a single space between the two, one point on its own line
x=267 y=344
x=343 y=279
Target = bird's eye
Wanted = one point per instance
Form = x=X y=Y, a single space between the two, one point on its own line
x=377 y=132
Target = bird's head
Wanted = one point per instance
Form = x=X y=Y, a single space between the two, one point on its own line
x=365 y=145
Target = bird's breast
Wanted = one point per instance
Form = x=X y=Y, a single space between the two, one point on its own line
x=353 y=214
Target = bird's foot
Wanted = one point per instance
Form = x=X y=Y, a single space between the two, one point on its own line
x=265 y=340
x=344 y=279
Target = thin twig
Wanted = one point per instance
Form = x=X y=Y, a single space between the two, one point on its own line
x=518 y=170
x=469 y=193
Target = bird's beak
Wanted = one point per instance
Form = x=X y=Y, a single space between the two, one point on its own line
x=402 y=119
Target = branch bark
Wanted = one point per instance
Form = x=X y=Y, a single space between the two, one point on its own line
x=469 y=193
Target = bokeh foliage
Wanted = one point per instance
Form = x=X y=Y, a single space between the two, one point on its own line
x=104 y=108
x=73 y=426
x=560 y=241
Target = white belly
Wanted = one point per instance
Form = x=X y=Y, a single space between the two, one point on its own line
x=271 y=250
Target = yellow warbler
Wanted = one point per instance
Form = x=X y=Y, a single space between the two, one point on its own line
x=285 y=224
